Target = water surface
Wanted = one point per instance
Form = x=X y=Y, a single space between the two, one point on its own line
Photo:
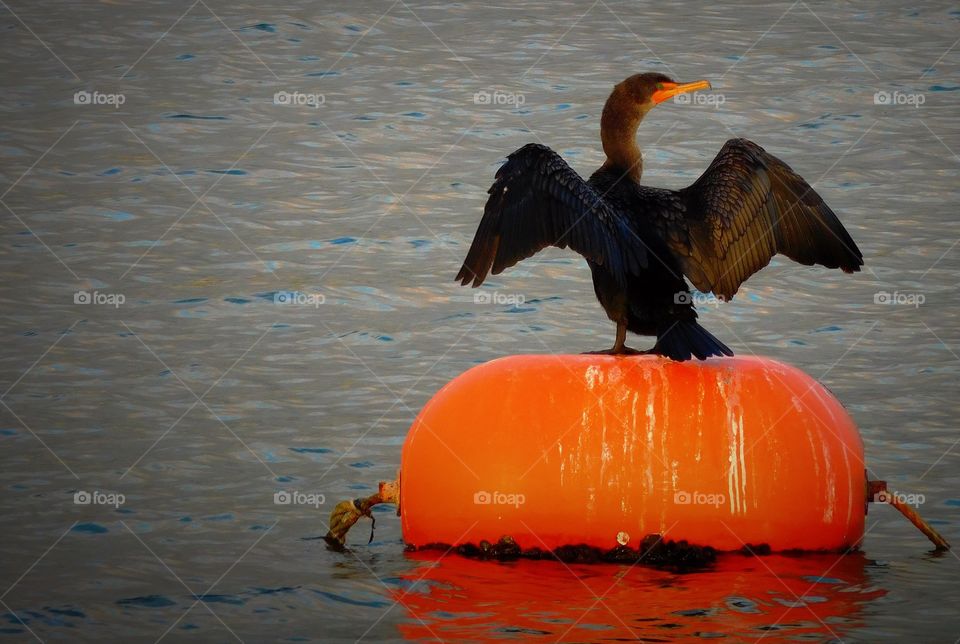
x=286 y=267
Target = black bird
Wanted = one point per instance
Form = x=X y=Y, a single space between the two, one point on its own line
x=639 y=241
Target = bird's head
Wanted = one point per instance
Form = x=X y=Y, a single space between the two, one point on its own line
x=628 y=104
x=644 y=91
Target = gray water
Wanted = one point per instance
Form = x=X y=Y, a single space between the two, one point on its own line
x=199 y=199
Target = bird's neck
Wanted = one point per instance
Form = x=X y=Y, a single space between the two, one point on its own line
x=618 y=133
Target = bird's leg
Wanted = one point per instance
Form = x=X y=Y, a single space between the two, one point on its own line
x=619 y=347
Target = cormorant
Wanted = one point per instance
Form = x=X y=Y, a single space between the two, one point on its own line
x=640 y=241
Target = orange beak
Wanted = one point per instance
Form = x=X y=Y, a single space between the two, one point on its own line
x=672 y=89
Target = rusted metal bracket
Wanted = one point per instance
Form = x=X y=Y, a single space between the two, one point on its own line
x=877 y=492
x=347 y=513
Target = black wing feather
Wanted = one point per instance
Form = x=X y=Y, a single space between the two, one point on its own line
x=536 y=201
x=744 y=209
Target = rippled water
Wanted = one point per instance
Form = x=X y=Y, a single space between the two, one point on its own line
x=223 y=218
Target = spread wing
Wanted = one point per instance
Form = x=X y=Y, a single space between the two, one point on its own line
x=536 y=201
x=745 y=208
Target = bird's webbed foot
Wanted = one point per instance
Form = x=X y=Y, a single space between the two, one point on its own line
x=618 y=351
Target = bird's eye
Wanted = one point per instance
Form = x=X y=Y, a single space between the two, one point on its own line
x=659 y=86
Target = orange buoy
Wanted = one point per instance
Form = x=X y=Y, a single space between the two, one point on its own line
x=599 y=450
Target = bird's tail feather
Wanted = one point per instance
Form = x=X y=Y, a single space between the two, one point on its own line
x=686 y=339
